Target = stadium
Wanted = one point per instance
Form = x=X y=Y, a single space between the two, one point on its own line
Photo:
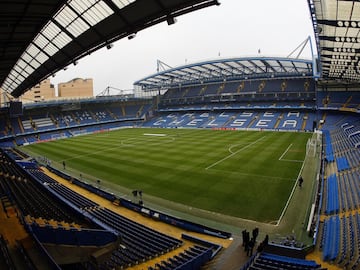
x=231 y=163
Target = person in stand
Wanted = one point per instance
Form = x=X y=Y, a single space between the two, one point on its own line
x=243 y=237
x=246 y=241
x=263 y=244
x=266 y=240
x=260 y=247
x=250 y=247
x=255 y=233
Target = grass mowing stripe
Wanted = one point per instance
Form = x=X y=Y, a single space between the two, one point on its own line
x=232 y=154
x=252 y=184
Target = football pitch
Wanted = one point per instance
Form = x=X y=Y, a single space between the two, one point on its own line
x=246 y=174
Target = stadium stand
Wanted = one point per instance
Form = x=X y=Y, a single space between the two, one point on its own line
x=28 y=196
x=340 y=228
x=5 y=258
x=250 y=119
x=136 y=235
x=138 y=243
x=339 y=99
x=210 y=104
x=274 y=105
x=263 y=261
x=328 y=147
x=38 y=124
x=339 y=231
x=72 y=236
x=192 y=258
x=265 y=109
x=263 y=93
x=331 y=239
x=260 y=103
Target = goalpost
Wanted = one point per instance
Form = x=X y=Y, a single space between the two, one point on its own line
x=312 y=144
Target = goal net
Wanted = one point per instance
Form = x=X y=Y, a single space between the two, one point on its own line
x=312 y=143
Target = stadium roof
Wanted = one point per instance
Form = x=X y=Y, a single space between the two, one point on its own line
x=337 y=30
x=40 y=37
x=228 y=69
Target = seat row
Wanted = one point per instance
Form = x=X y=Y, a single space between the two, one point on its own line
x=349 y=190
x=332 y=193
x=269 y=261
x=31 y=199
x=73 y=197
x=331 y=238
x=139 y=243
x=328 y=146
x=192 y=258
x=342 y=164
x=5 y=258
x=42 y=177
x=36 y=203
x=348 y=240
x=340 y=240
x=341 y=141
x=8 y=168
x=35 y=196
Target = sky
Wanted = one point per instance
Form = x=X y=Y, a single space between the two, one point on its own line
x=236 y=28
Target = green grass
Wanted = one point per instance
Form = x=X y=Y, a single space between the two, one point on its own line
x=235 y=173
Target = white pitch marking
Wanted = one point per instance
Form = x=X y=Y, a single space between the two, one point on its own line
x=155 y=134
x=234 y=153
x=287 y=149
x=289 y=160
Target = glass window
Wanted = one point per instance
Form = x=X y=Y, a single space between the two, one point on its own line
x=122 y=3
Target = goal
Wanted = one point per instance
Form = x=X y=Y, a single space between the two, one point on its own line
x=312 y=143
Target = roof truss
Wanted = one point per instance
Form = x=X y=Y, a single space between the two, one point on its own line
x=337 y=30
x=41 y=37
x=227 y=69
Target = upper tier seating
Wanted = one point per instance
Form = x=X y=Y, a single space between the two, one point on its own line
x=253 y=86
x=339 y=99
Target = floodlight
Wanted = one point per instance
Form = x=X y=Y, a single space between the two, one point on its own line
x=131 y=36
x=170 y=20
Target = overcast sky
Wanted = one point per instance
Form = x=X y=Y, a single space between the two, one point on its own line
x=236 y=28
